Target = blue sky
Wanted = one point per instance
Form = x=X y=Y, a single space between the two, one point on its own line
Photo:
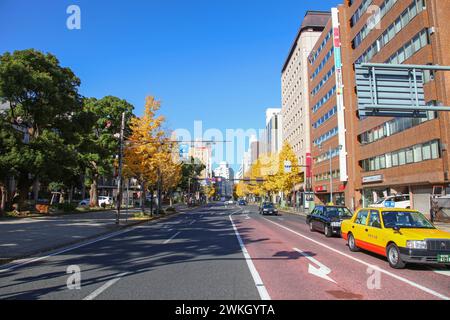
x=212 y=60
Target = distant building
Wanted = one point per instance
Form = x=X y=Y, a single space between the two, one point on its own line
x=224 y=179
x=202 y=153
x=244 y=167
x=254 y=149
x=273 y=132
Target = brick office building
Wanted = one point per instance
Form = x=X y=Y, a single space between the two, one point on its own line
x=382 y=156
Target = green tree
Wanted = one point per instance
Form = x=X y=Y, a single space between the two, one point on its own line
x=100 y=146
x=190 y=171
x=43 y=97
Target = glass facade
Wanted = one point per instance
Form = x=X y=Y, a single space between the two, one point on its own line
x=392 y=127
x=414 y=154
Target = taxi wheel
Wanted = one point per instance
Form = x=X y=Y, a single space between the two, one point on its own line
x=393 y=255
x=352 y=243
x=328 y=232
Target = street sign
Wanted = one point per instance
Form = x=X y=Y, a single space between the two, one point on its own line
x=184 y=151
x=287 y=166
x=387 y=89
x=393 y=90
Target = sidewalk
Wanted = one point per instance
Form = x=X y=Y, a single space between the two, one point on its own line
x=28 y=236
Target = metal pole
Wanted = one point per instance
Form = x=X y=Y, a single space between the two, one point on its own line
x=331 y=179
x=119 y=187
x=128 y=199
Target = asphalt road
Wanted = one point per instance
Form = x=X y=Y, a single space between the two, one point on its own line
x=222 y=253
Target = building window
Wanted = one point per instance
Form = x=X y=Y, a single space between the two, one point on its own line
x=394 y=126
x=418 y=153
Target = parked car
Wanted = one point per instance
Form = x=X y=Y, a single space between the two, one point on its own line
x=101 y=200
x=268 y=208
x=397 y=201
x=328 y=219
x=402 y=235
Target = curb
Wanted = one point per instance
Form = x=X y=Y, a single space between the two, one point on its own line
x=4 y=261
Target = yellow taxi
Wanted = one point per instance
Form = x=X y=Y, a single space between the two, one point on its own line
x=402 y=235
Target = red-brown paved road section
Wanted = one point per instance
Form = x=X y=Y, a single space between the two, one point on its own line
x=289 y=274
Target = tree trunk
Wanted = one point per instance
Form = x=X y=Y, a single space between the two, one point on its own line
x=159 y=190
x=3 y=199
x=151 y=202
x=61 y=197
x=23 y=188
x=83 y=188
x=143 y=197
x=36 y=187
x=93 y=193
x=71 y=194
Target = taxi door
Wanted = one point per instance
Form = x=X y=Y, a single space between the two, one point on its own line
x=359 y=226
x=375 y=234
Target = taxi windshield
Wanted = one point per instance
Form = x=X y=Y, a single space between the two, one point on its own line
x=405 y=219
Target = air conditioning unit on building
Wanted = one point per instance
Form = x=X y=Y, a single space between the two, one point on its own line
x=431 y=30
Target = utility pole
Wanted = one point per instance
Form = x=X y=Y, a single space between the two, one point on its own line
x=119 y=183
x=331 y=178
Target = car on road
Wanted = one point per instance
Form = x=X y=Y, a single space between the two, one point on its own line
x=101 y=200
x=397 y=201
x=401 y=235
x=242 y=202
x=268 y=208
x=328 y=219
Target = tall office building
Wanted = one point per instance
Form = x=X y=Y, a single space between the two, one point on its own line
x=295 y=89
x=273 y=131
x=372 y=157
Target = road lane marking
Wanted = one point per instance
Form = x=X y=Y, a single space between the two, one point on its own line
x=108 y=284
x=256 y=277
x=168 y=240
x=411 y=283
x=322 y=272
x=192 y=222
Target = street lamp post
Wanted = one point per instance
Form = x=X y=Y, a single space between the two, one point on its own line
x=119 y=183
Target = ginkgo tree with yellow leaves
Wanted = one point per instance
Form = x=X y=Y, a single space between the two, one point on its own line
x=268 y=177
x=148 y=155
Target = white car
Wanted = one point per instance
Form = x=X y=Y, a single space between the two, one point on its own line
x=398 y=201
x=101 y=200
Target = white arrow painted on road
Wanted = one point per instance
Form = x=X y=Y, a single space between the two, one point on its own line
x=322 y=271
x=247 y=217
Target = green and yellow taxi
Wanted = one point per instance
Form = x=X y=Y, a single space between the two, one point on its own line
x=402 y=235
